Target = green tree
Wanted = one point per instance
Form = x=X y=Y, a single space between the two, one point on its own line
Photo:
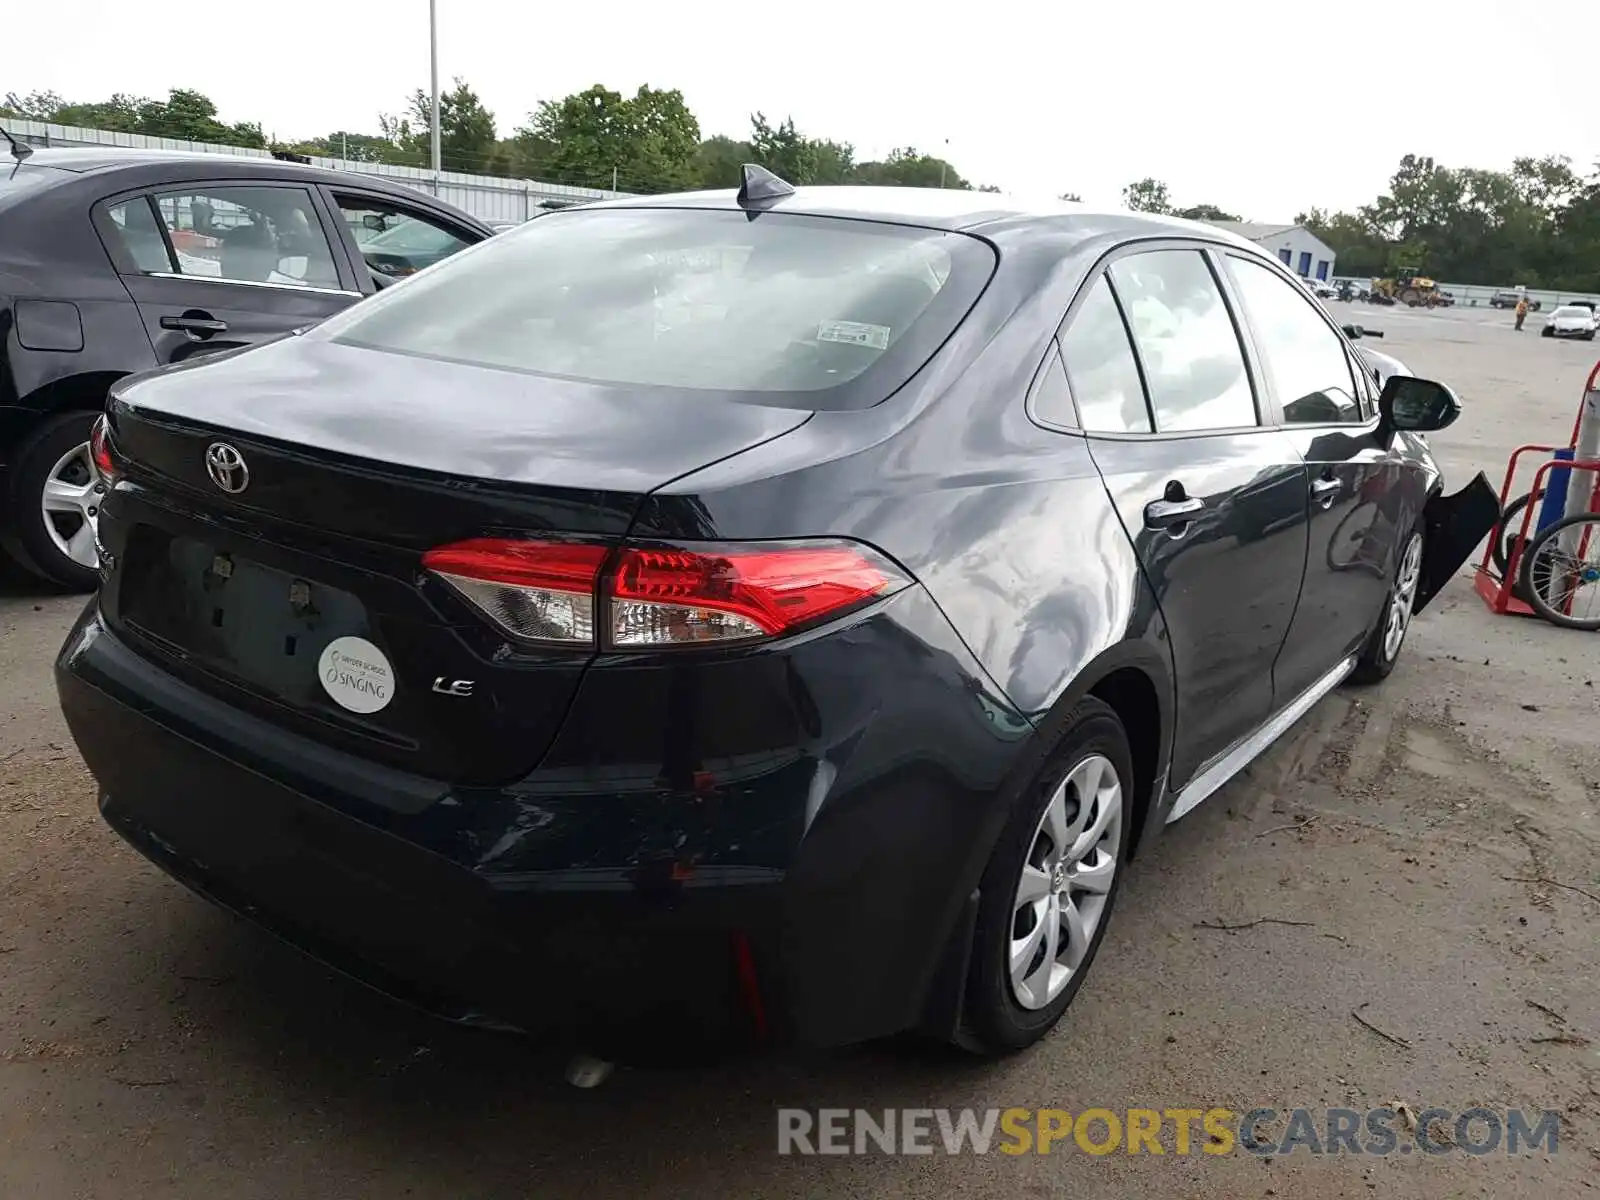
x=353 y=147
x=784 y=150
x=908 y=167
x=647 y=142
x=466 y=130
x=1147 y=195
x=184 y=114
x=1206 y=212
x=35 y=106
x=718 y=159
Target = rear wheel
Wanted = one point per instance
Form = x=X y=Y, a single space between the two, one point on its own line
x=1047 y=893
x=54 y=503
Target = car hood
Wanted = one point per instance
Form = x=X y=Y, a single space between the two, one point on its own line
x=1382 y=365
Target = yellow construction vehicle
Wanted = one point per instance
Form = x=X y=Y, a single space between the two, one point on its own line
x=1409 y=288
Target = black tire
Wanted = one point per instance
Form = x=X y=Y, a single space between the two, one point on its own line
x=27 y=539
x=1547 y=332
x=1534 y=576
x=1506 y=532
x=1376 y=660
x=997 y=1023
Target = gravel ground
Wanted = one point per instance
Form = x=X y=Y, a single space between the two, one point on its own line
x=150 y=1046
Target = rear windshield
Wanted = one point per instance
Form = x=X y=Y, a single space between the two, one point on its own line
x=837 y=312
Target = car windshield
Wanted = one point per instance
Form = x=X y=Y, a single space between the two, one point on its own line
x=412 y=235
x=1572 y=310
x=709 y=300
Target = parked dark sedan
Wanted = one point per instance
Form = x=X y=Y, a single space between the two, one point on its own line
x=114 y=261
x=772 y=615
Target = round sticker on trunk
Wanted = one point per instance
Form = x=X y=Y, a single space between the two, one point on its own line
x=356 y=674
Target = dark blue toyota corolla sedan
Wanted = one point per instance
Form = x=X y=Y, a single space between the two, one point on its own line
x=733 y=617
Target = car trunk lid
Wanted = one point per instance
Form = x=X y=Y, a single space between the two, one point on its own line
x=275 y=505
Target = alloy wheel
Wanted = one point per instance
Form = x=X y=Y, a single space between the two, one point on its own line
x=1065 y=885
x=71 y=505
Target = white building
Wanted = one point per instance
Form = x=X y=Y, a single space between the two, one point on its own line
x=1302 y=251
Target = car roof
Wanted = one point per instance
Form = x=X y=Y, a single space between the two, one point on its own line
x=84 y=160
x=937 y=208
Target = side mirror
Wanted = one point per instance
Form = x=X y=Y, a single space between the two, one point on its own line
x=1354 y=332
x=1417 y=405
x=374 y=222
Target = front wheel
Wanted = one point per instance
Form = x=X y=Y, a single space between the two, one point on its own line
x=1382 y=649
x=1547 y=332
x=1047 y=892
x=54 y=503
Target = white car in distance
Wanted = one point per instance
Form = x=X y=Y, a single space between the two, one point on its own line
x=1571 y=321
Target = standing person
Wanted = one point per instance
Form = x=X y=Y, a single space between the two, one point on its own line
x=1522 y=311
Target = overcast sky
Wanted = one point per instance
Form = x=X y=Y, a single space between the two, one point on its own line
x=1262 y=108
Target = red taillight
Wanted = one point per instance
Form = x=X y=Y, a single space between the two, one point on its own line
x=539 y=591
x=662 y=595
x=100 y=450
x=677 y=594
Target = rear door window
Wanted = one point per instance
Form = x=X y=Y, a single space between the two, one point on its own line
x=830 y=312
x=250 y=234
x=1193 y=364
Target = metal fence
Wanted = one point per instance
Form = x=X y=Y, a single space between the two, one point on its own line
x=487 y=197
x=1472 y=295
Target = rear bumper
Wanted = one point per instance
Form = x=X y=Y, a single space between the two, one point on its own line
x=815 y=896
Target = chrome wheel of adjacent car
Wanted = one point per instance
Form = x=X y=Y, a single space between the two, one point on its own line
x=70 y=505
x=1065 y=882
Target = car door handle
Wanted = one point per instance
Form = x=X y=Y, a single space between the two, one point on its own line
x=1326 y=491
x=197 y=325
x=1166 y=514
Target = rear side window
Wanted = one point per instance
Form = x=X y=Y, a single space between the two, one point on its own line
x=836 y=313
x=134 y=225
x=1101 y=367
x=1187 y=344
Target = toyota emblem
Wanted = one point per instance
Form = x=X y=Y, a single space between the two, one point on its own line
x=227 y=468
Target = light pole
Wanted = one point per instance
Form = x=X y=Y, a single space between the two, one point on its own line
x=433 y=68
x=943 y=163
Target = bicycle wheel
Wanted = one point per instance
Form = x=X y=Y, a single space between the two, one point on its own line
x=1348 y=547
x=1506 y=532
x=1561 y=572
